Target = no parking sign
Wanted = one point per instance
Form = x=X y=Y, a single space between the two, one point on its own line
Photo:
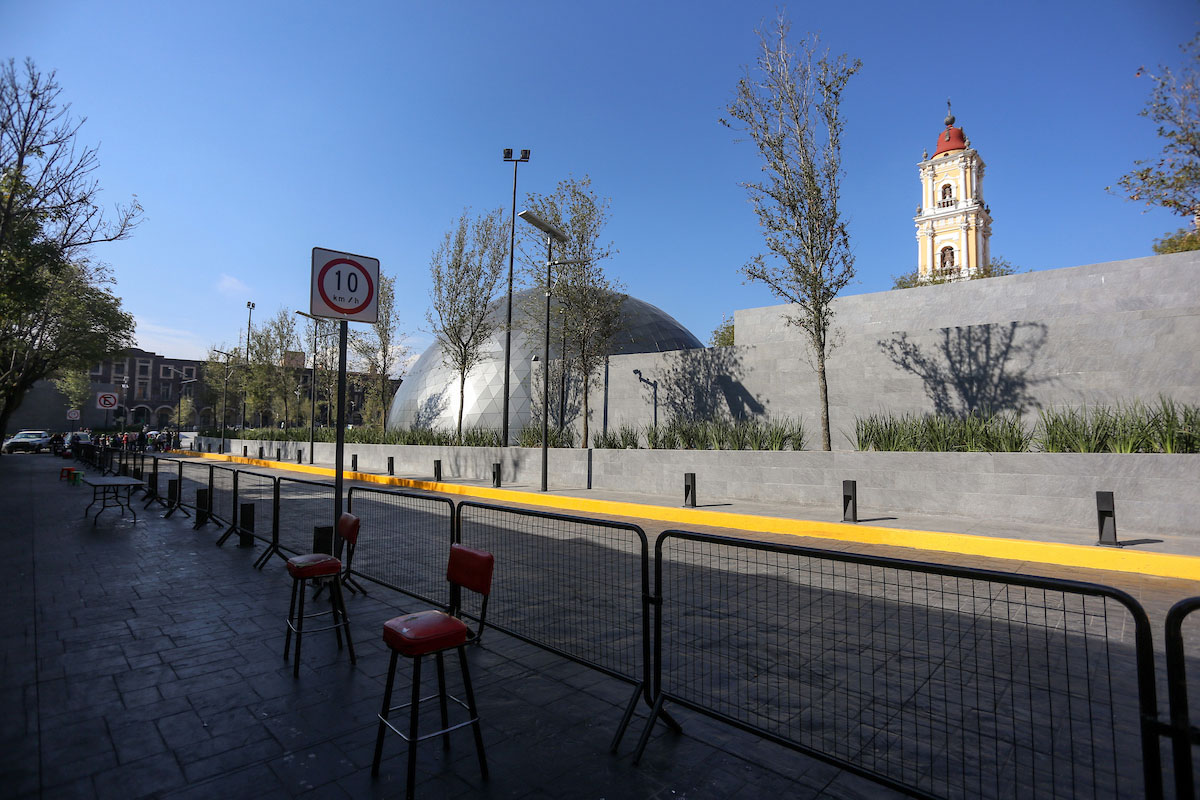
x=344 y=286
x=106 y=400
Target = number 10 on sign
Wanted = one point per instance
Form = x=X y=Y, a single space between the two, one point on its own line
x=344 y=286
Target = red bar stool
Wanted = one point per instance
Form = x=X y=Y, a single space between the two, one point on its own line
x=321 y=565
x=433 y=633
x=65 y=473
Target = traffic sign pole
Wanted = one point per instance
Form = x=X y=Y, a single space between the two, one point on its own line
x=339 y=456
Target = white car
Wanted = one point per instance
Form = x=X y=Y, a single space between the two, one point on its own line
x=27 y=441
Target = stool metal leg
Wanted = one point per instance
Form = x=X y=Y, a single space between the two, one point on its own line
x=411 y=781
x=441 y=671
x=299 y=627
x=287 y=640
x=462 y=658
x=383 y=715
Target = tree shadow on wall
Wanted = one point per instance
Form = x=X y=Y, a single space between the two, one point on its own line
x=704 y=384
x=974 y=368
x=430 y=410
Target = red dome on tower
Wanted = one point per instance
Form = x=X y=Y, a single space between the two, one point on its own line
x=952 y=138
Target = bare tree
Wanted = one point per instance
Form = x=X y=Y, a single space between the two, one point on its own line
x=465 y=269
x=381 y=348
x=789 y=105
x=589 y=301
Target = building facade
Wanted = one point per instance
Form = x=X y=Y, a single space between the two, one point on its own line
x=954 y=224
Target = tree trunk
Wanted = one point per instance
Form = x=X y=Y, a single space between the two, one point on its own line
x=584 y=443
x=462 y=393
x=825 y=443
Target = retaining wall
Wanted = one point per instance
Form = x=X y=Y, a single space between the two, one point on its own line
x=1155 y=494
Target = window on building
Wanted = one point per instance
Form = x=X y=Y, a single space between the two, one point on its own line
x=118 y=368
x=189 y=372
x=164 y=371
x=947 y=258
x=143 y=369
x=947 y=198
x=142 y=392
x=164 y=391
x=98 y=368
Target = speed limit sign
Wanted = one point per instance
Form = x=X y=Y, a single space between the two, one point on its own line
x=344 y=286
x=106 y=400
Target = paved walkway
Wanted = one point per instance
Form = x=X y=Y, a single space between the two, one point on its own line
x=142 y=661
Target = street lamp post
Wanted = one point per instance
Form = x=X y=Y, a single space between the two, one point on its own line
x=224 y=396
x=124 y=402
x=512 y=241
x=249 y=316
x=312 y=388
x=553 y=234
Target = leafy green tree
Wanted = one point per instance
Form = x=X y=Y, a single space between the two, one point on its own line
x=55 y=309
x=1172 y=181
x=1180 y=241
x=589 y=301
x=722 y=335
x=995 y=268
x=789 y=105
x=464 y=270
x=75 y=385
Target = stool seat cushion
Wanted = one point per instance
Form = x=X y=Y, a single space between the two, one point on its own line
x=313 y=565
x=424 y=632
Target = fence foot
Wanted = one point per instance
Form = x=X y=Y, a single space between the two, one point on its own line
x=654 y=713
x=272 y=549
x=229 y=532
x=625 y=720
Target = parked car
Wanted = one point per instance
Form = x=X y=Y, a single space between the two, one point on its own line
x=28 y=442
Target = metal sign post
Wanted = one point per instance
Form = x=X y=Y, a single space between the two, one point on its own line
x=345 y=288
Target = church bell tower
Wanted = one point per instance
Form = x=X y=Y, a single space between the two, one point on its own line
x=954 y=225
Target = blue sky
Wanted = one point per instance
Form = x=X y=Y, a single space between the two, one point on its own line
x=253 y=131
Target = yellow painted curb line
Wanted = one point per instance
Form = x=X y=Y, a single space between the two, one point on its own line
x=1164 y=565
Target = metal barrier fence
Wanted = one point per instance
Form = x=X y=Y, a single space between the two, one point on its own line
x=303 y=505
x=936 y=681
x=192 y=476
x=1183 y=734
x=575 y=586
x=259 y=490
x=404 y=541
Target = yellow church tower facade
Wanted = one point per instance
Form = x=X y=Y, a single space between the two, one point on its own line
x=954 y=225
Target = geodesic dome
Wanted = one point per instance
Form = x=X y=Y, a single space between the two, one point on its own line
x=428 y=397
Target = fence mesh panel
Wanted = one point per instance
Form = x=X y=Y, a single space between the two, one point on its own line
x=258 y=489
x=222 y=494
x=303 y=505
x=957 y=687
x=194 y=476
x=573 y=585
x=404 y=541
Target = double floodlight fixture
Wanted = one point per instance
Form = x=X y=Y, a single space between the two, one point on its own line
x=508 y=155
x=543 y=226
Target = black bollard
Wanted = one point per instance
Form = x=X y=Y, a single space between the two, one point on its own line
x=437 y=470
x=278 y=454
x=496 y=475
x=299 y=456
x=173 y=492
x=1106 y=517
x=246 y=525
x=689 y=489
x=201 y=507
x=245 y=451
x=260 y=453
x=849 y=501
x=354 y=462
x=391 y=465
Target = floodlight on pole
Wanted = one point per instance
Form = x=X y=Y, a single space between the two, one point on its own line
x=249 y=316
x=512 y=241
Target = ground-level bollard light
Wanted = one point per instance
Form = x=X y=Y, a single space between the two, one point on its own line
x=437 y=470
x=496 y=475
x=391 y=465
x=201 y=508
x=1106 y=518
x=245 y=451
x=689 y=489
x=299 y=456
x=849 y=501
x=354 y=462
x=260 y=453
x=279 y=454
x=246 y=525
